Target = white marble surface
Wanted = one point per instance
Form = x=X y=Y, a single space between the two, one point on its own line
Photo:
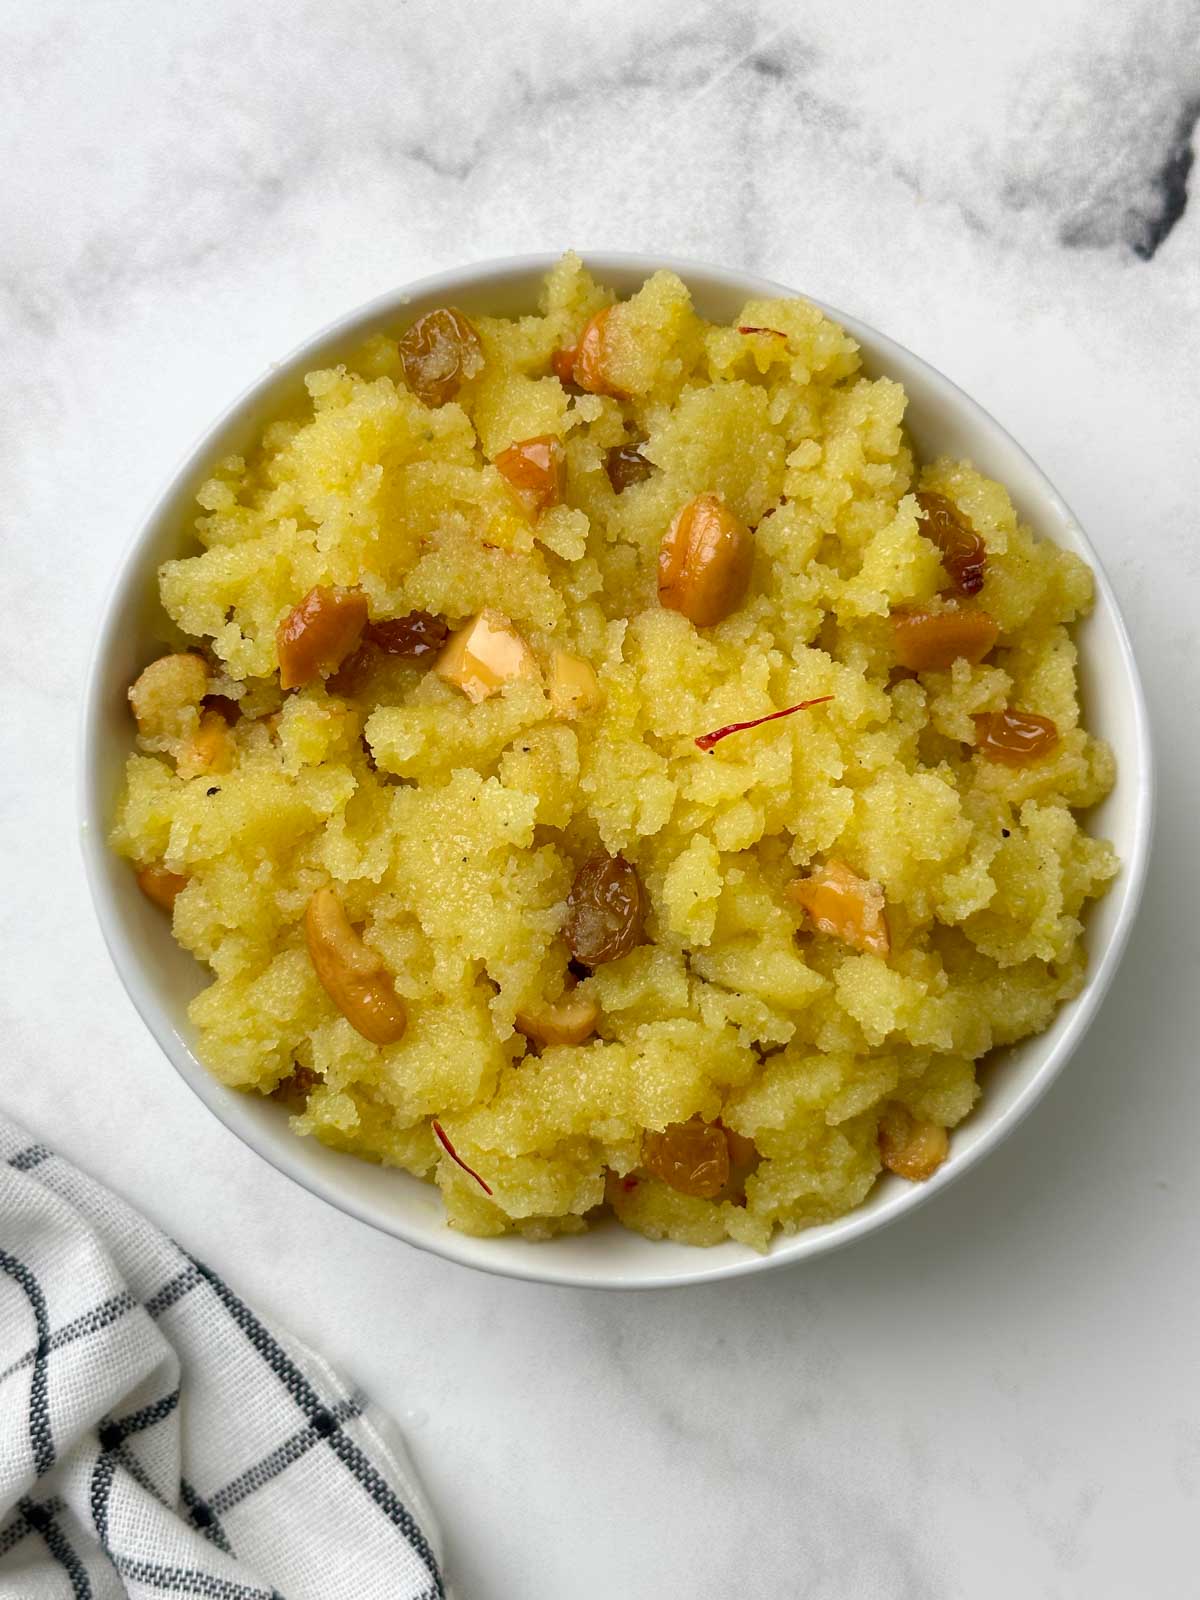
x=997 y=1397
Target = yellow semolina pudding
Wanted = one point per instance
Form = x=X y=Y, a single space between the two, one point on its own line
x=425 y=781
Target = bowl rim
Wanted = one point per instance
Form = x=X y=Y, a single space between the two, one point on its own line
x=468 y=1250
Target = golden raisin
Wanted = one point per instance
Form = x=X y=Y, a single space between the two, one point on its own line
x=964 y=554
x=1014 y=737
x=929 y=641
x=605 y=910
x=590 y=367
x=705 y=561
x=412 y=637
x=910 y=1148
x=439 y=353
x=536 y=470
x=317 y=635
x=161 y=886
x=744 y=1160
x=845 y=906
x=691 y=1157
x=352 y=677
x=743 y=1152
x=626 y=465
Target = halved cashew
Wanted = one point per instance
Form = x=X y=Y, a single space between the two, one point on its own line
x=568 y=1020
x=845 y=906
x=160 y=885
x=536 y=471
x=318 y=634
x=932 y=641
x=210 y=749
x=166 y=694
x=351 y=973
x=911 y=1148
x=484 y=654
x=574 y=690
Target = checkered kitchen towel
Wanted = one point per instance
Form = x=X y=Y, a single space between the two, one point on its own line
x=158 y=1438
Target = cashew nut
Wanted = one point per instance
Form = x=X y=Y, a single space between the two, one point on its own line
x=913 y=1149
x=574 y=690
x=161 y=886
x=568 y=1020
x=483 y=655
x=704 y=562
x=210 y=749
x=166 y=694
x=317 y=635
x=591 y=362
x=351 y=973
x=845 y=906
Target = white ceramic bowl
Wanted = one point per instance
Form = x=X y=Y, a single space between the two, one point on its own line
x=161 y=978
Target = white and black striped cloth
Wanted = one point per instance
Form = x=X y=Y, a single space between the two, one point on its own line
x=159 y=1439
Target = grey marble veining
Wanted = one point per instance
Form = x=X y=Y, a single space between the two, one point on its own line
x=997 y=1396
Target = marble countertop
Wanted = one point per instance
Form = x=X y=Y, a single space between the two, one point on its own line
x=998 y=1396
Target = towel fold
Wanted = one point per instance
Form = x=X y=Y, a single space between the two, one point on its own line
x=159 y=1438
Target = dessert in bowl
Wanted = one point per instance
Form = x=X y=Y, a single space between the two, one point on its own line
x=618 y=754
